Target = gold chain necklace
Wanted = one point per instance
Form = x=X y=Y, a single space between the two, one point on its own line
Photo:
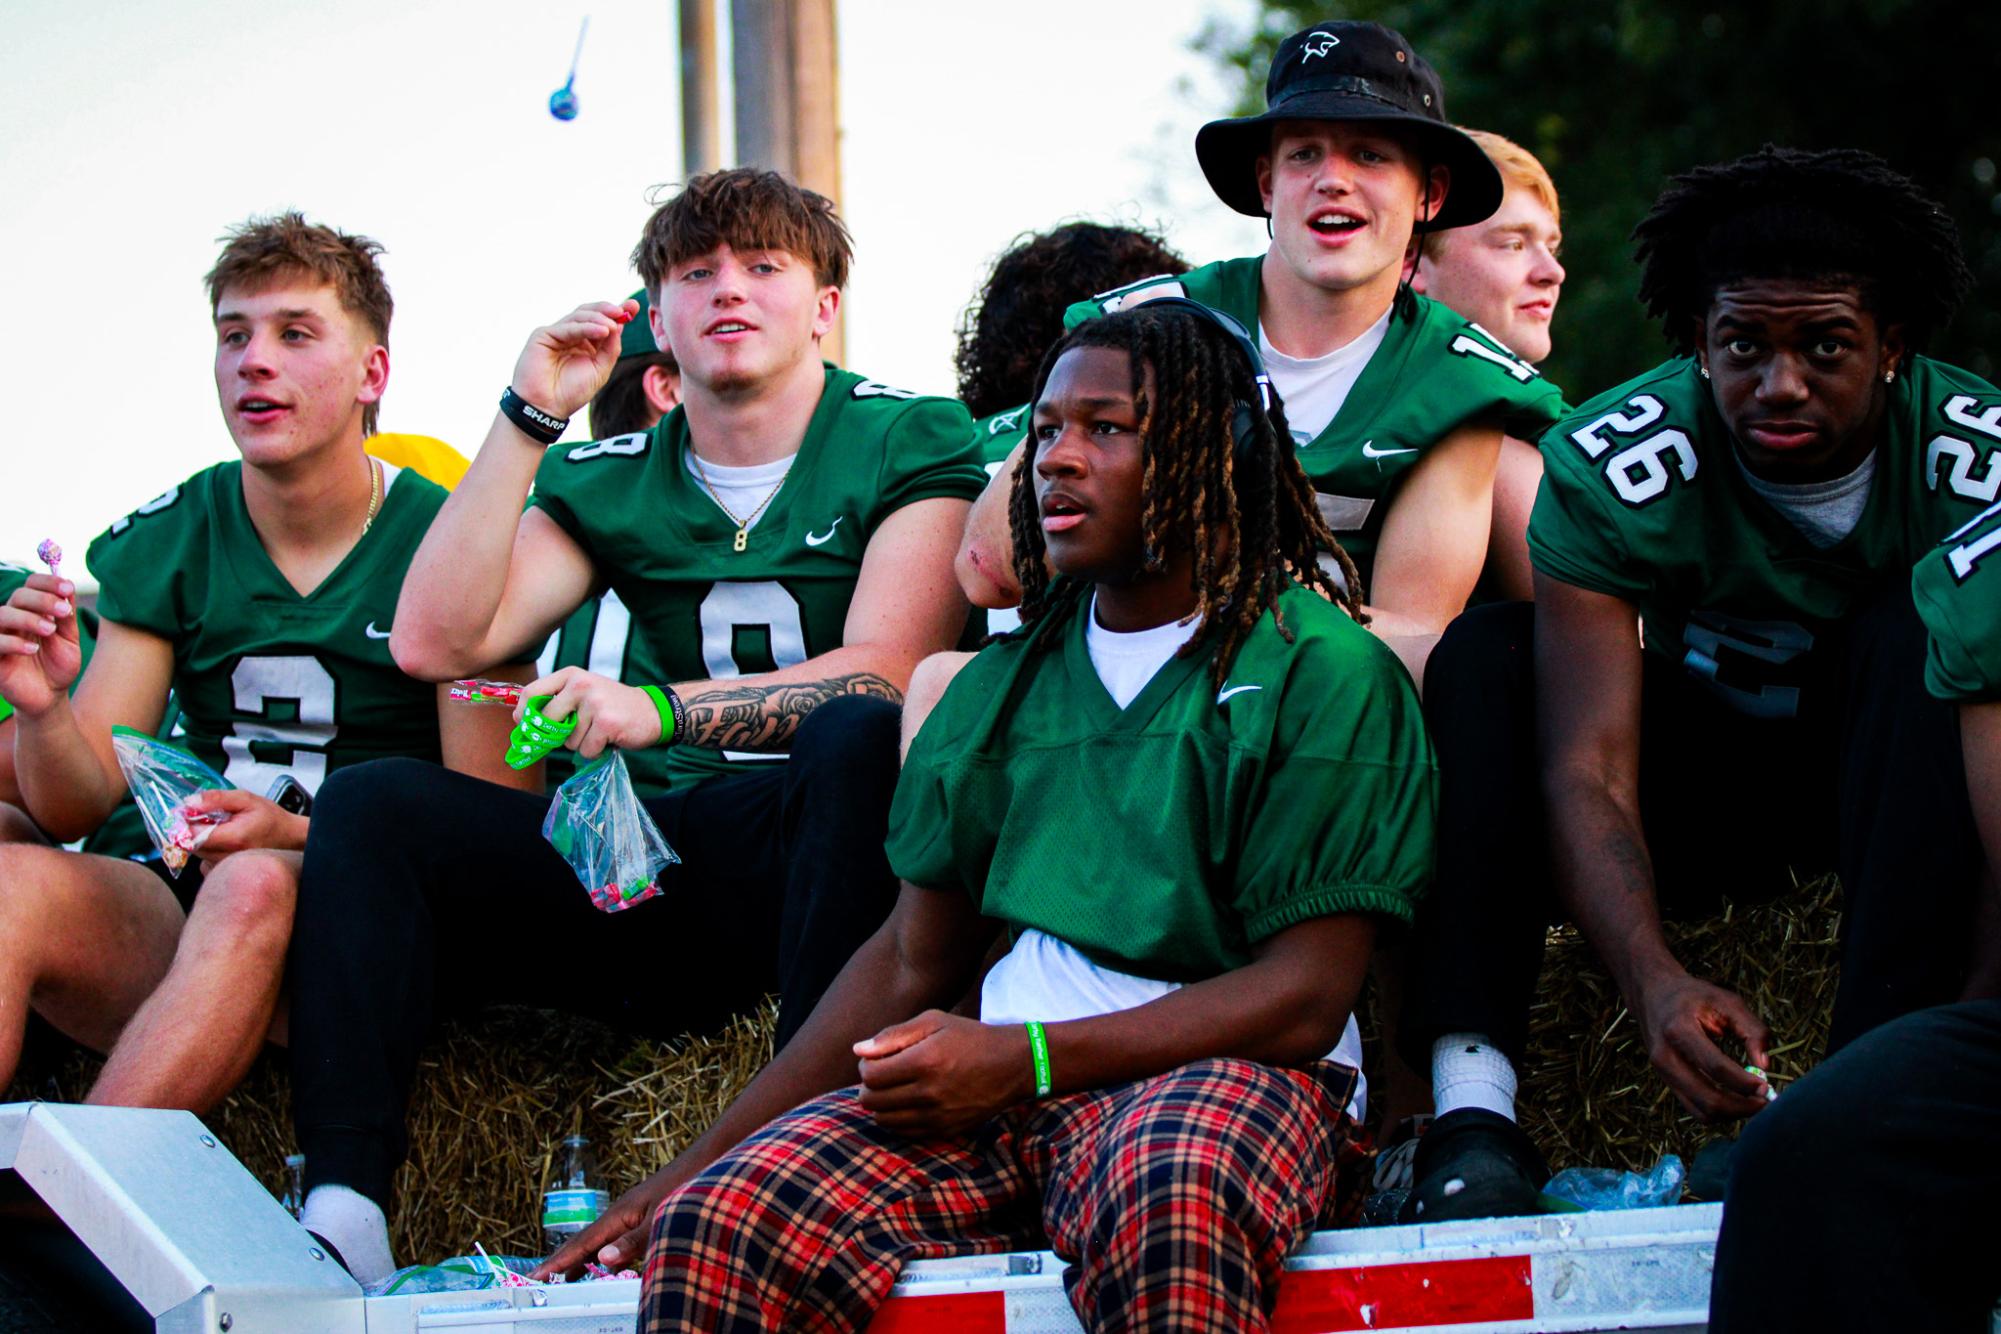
x=742 y=525
x=374 y=495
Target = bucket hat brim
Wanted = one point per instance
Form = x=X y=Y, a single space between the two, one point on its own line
x=1229 y=151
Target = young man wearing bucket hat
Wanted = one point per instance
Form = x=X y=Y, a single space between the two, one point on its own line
x=1397 y=404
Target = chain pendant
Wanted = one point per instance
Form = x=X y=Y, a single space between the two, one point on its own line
x=742 y=539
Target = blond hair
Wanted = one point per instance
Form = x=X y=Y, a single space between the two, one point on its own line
x=1519 y=169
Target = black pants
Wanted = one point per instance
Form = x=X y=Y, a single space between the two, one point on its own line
x=1863 y=1199
x=427 y=893
x=1870 y=783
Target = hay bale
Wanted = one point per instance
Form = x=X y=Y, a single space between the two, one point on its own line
x=491 y=1102
x=494 y=1097
x=1589 y=1095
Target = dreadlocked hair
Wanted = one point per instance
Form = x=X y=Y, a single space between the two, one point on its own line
x=1246 y=515
x=1019 y=312
x=1838 y=215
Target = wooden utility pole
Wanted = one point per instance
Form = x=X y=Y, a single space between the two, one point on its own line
x=701 y=122
x=788 y=96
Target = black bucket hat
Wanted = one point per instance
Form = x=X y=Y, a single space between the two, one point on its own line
x=1344 y=70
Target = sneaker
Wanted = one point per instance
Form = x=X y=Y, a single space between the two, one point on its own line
x=1474 y=1163
x=1392 y=1170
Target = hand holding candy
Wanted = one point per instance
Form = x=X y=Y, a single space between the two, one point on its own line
x=251 y=822
x=40 y=653
x=595 y=711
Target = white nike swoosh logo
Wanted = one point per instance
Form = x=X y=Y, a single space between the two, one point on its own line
x=1223 y=696
x=1369 y=450
x=374 y=633
x=815 y=539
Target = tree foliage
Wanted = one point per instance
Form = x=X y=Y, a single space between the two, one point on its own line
x=1616 y=98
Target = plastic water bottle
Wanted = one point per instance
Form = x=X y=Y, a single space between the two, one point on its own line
x=574 y=1199
x=294 y=1198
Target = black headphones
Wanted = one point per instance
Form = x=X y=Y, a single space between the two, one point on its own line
x=1245 y=415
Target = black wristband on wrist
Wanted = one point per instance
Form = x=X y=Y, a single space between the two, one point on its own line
x=534 y=423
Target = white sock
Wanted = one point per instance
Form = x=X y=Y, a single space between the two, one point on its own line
x=1469 y=1071
x=354 y=1225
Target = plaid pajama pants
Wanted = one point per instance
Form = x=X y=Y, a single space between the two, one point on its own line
x=1174 y=1200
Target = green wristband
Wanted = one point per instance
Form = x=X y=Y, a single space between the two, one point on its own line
x=666 y=711
x=1038 y=1049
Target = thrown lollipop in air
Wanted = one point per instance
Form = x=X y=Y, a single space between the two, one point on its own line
x=563 y=102
x=50 y=555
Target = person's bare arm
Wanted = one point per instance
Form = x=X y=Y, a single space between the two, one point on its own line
x=65 y=766
x=1587 y=660
x=985 y=563
x=1980 y=740
x=1515 y=482
x=924 y=955
x=1433 y=543
x=489 y=582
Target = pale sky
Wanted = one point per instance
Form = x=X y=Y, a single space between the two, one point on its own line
x=137 y=133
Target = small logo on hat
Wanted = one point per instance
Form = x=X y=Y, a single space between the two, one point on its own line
x=1319 y=43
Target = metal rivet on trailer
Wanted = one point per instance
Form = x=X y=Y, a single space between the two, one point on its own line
x=539 y=1297
x=210 y=1141
x=226 y=1319
x=316 y=1252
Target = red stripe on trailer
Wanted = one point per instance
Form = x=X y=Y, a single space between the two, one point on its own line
x=960 y=1312
x=1438 y=1292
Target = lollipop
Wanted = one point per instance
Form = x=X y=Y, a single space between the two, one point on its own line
x=50 y=555
x=563 y=102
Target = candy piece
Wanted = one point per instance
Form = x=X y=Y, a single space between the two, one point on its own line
x=50 y=555
x=189 y=830
x=1771 y=1094
x=474 y=691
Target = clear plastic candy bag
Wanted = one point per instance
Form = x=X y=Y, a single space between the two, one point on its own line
x=1609 y=1188
x=601 y=830
x=161 y=778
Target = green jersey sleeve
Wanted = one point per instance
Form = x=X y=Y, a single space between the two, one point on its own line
x=1349 y=723
x=1958 y=591
x=1574 y=536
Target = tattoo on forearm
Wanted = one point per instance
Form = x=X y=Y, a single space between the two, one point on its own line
x=763 y=718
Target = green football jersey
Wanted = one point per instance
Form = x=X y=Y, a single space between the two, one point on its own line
x=269 y=681
x=1169 y=838
x=1958 y=591
x=1434 y=373
x=1644 y=498
x=700 y=609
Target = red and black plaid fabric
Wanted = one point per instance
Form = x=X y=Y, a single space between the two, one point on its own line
x=1175 y=1201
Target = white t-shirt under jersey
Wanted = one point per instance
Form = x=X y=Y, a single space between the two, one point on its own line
x=1314 y=388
